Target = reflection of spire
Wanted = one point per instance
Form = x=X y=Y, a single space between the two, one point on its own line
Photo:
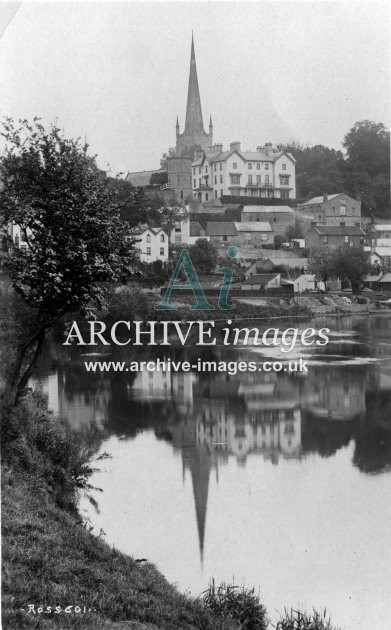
x=200 y=466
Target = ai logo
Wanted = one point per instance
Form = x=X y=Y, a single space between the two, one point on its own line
x=185 y=263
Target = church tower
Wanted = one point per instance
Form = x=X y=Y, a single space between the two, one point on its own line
x=194 y=136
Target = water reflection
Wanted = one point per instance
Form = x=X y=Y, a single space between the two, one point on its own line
x=245 y=437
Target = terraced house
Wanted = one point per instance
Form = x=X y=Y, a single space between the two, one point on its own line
x=265 y=173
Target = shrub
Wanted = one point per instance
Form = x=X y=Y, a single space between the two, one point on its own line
x=241 y=605
x=35 y=442
x=296 y=620
x=127 y=303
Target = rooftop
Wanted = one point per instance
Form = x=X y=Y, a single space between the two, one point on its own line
x=271 y=209
x=221 y=228
x=260 y=278
x=339 y=230
x=253 y=226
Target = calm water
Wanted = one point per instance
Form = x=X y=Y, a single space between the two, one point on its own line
x=275 y=480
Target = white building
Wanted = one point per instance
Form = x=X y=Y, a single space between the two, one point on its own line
x=152 y=244
x=265 y=173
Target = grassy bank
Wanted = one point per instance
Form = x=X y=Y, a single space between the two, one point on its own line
x=50 y=558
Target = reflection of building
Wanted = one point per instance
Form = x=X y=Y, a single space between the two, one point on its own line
x=337 y=393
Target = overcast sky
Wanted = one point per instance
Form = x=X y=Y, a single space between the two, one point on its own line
x=117 y=72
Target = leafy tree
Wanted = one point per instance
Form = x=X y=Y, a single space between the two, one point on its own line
x=53 y=190
x=137 y=208
x=321 y=263
x=293 y=231
x=203 y=255
x=351 y=263
x=164 y=159
x=367 y=166
x=159 y=178
x=278 y=241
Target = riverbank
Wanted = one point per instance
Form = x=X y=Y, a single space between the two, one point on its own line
x=52 y=563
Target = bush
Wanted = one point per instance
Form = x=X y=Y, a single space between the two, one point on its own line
x=241 y=605
x=127 y=303
x=296 y=620
x=33 y=441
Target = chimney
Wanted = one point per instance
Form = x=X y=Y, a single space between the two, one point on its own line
x=268 y=148
x=325 y=197
x=217 y=148
x=259 y=149
x=234 y=146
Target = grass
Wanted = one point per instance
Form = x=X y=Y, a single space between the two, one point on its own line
x=51 y=559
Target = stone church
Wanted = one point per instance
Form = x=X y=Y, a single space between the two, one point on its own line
x=193 y=139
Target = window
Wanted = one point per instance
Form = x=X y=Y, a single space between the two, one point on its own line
x=235 y=179
x=221 y=193
x=162 y=239
x=285 y=194
x=148 y=238
x=193 y=171
x=221 y=166
x=199 y=171
x=284 y=181
x=325 y=239
x=148 y=251
x=221 y=179
x=266 y=167
x=284 y=167
x=215 y=194
x=274 y=220
x=214 y=167
x=250 y=179
x=346 y=239
x=181 y=195
x=199 y=182
x=266 y=179
x=258 y=179
x=215 y=179
x=206 y=197
x=250 y=166
x=194 y=183
x=235 y=165
x=320 y=217
x=353 y=211
x=258 y=166
x=206 y=169
x=225 y=239
x=162 y=251
x=342 y=210
x=178 y=180
x=333 y=212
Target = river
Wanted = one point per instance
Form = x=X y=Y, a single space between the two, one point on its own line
x=276 y=480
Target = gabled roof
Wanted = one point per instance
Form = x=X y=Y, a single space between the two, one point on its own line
x=195 y=226
x=146 y=228
x=339 y=230
x=268 y=209
x=316 y=200
x=386 y=278
x=260 y=278
x=221 y=228
x=292 y=263
x=253 y=226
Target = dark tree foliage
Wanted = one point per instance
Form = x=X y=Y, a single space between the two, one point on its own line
x=164 y=159
x=53 y=190
x=203 y=255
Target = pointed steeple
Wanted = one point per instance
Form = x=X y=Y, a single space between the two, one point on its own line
x=194 y=122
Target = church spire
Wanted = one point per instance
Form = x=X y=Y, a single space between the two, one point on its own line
x=194 y=123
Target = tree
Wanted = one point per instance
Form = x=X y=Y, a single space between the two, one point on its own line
x=351 y=263
x=367 y=166
x=320 y=263
x=203 y=255
x=64 y=207
x=278 y=241
x=293 y=232
x=164 y=159
x=136 y=208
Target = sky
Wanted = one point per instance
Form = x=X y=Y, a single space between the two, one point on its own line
x=116 y=73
